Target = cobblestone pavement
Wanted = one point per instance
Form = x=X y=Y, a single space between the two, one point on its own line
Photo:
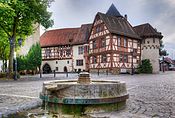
x=150 y=95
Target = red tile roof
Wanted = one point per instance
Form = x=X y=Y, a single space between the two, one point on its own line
x=65 y=36
x=58 y=37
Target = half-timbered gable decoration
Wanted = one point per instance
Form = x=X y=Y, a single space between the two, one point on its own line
x=111 y=43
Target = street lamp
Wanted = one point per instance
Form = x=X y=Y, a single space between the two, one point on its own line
x=132 y=65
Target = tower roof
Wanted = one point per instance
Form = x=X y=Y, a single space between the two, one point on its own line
x=146 y=30
x=112 y=11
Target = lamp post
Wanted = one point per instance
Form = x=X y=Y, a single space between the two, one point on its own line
x=163 y=64
x=132 y=65
x=15 y=59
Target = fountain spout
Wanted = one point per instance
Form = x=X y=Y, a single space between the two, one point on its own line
x=84 y=78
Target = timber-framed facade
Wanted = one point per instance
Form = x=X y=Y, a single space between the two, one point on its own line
x=110 y=44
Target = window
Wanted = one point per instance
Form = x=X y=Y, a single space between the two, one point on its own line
x=103 y=58
x=56 y=62
x=48 y=52
x=79 y=62
x=148 y=42
x=121 y=58
x=98 y=29
x=80 y=50
x=103 y=43
x=125 y=58
x=119 y=41
x=68 y=52
x=94 y=59
x=94 y=44
x=67 y=62
x=153 y=40
x=61 y=53
x=70 y=40
x=125 y=42
x=56 y=69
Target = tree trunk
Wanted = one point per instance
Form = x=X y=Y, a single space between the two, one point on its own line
x=3 y=65
x=11 y=56
x=13 y=41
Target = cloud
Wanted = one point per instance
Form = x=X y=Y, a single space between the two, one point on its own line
x=159 y=13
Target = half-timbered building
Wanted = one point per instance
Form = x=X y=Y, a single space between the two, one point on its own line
x=110 y=44
x=63 y=50
x=113 y=44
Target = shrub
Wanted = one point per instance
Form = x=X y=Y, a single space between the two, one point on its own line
x=145 y=66
x=2 y=75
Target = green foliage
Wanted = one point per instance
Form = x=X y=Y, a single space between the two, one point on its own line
x=162 y=51
x=17 y=19
x=145 y=66
x=21 y=63
x=34 y=57
x=32 y=60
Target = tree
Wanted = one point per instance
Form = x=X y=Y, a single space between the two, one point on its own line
x=162 y=51
x=34 y=57
x=4 y=50
x=32 y=60
x=17 y=18
x=145 y=66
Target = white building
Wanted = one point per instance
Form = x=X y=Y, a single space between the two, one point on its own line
x=64 y=49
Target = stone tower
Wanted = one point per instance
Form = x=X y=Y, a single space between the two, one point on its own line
x=150 y=44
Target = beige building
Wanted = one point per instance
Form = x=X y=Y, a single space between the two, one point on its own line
x=33 y=39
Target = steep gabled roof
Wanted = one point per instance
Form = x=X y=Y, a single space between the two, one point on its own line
x=83 y=34
x=58 y=37
x=146 y=30
x=118 y=25
x=112 y=11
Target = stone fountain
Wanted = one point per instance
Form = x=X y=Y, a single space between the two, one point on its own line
x=84 y=96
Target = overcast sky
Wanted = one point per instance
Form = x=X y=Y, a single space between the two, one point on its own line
x=159 y=13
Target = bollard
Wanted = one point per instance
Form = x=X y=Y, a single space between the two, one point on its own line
x=40 y=74
x=66 y=74
x=54 y=73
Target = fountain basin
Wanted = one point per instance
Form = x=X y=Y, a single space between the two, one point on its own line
x=70 y=96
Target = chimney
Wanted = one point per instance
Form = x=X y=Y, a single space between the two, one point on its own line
x=126 y=17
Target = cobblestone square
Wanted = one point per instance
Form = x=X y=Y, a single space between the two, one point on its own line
x=150 y=95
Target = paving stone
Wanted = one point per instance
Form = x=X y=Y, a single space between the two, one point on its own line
x=150 y=95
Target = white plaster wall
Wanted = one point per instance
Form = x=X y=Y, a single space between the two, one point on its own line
x=152 y=54
x=60 y=64
x=30 y=41
x=76 y=56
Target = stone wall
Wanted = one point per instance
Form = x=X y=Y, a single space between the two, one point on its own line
x=150 y=50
